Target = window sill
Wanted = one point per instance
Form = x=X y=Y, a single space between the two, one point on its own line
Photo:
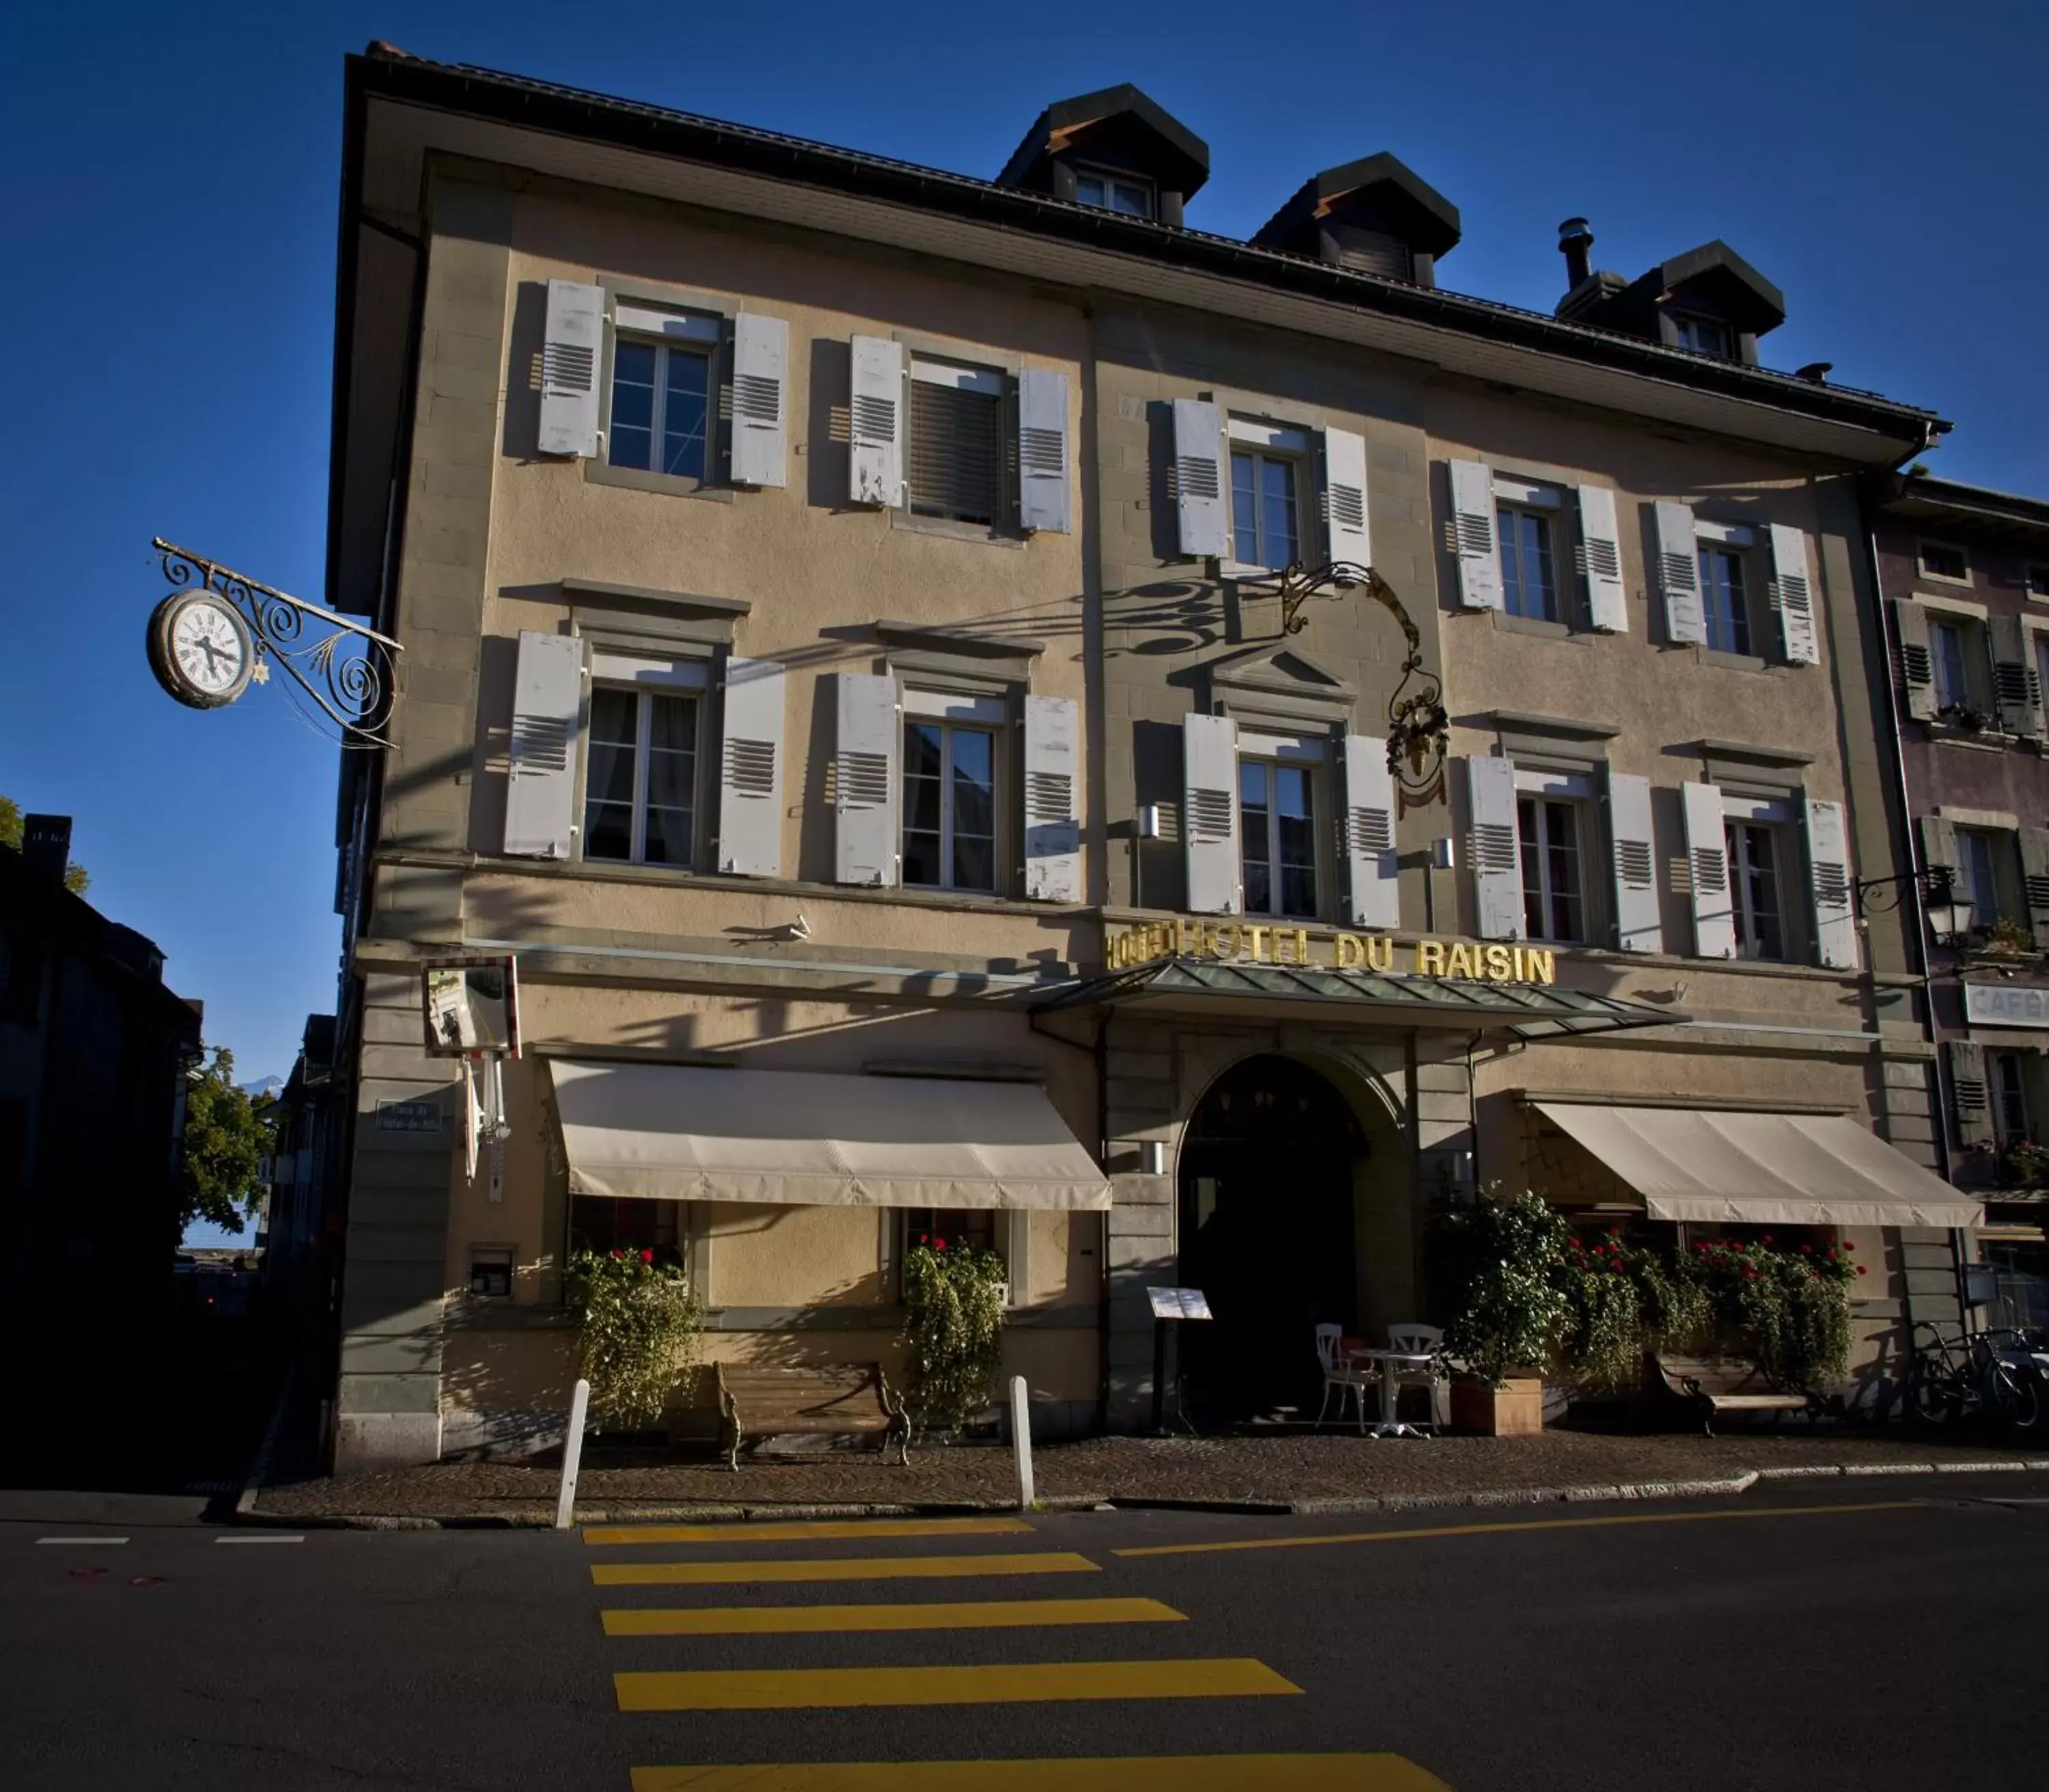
x=1538 y=625
x=1737 y=662
x=1980 y=740
x=988 y=535
x=597 y=471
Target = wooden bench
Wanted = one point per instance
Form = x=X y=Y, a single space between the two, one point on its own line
x=838 y=1401
x=1715 y=1385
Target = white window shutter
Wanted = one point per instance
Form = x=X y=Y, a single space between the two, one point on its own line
x=2016 y=687
x=1793 y=596
x=1209 y=813
x=2034 y=879
x=1600 y=549
x=1972 y=1092
x=570 y=350
x=1200 y=498
x=1473 y=528
x=1707 y=857
x=760 y=398
x=1497 y=848
x=1828 y=869
x=1917 y=662
x=1344 y=497
x=1052 y=799
x=1679 y=575
x=1638 y=926
x=1044 y=482
x=865 y=778
x=540 y=786
x=1369 y=833
x=875 y=459
x=750 y=770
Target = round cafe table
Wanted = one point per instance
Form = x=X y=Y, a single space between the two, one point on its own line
x=1388 y=1361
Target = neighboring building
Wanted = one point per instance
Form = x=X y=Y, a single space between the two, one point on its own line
x=308 y=1175
x=93 y=1055
x=840 y=661
x=1966 y=576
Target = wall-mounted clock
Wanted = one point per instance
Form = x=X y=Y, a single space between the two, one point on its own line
x=200 y=649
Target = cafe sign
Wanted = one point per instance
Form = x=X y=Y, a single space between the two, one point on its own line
x=2006 y=1004
x=1248 y=942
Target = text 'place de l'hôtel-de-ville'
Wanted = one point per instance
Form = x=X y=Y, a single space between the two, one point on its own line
x=846 y=660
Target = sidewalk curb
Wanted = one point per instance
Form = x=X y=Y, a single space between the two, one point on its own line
x=260 y=1464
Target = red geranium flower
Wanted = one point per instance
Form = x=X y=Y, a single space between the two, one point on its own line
x=646 y=1256
x=1807 y=1250
x=938 y=1244
x=1860 y=1268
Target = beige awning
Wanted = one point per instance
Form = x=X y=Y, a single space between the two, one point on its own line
x=670 y=1133
x=1772 y=1169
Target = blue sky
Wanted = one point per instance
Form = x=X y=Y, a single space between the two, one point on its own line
x=171 y=223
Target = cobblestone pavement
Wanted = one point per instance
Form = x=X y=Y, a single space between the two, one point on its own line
x=1292 y=1471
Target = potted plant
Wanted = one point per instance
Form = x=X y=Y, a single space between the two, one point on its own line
x=640 y=1323
x=1493 y=1262
x=1965 y=717
x=2005 y=937
x=953 y=1331
x=2022 y=1163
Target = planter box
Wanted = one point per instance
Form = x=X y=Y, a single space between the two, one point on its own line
x=1516 y=1410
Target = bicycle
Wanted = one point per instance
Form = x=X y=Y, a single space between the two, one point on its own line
x=1996 y=1372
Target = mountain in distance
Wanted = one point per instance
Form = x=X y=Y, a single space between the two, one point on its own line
x=264 y=1089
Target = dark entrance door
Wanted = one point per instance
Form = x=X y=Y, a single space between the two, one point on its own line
x=1266 y=1172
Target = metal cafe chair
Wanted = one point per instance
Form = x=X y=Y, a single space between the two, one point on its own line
x=1342 y=1378
x=1422 y=1340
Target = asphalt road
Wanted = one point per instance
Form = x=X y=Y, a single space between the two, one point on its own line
x=1863 y=1632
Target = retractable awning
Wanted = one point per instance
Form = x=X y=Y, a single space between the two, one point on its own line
x=674 y=1132
x=1773 y=1169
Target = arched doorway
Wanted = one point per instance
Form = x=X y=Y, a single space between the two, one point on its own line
x=1269 y=1165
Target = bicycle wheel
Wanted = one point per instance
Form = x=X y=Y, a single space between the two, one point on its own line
x=2019 y=1395
x=1933 y=1395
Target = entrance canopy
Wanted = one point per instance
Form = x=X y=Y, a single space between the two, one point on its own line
x=1772 y=1169
x=669 y=1132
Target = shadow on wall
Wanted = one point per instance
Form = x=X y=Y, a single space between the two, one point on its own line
x=522 y=385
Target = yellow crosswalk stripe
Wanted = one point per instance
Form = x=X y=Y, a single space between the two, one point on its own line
x=1157 y=1773
x=791 y=1620
x=605 y=1536
x=1512 y=1525
x=851 y=1567
x=810 y=1689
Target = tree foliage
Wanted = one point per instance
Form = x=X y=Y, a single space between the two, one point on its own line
x=953 y=1331
x=640 y=1325
x=76 y=879
x=225 y=1141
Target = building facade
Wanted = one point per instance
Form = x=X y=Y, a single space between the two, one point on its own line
x=844 y=662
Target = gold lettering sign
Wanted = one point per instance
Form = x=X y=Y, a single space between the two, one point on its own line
x=1261 y=943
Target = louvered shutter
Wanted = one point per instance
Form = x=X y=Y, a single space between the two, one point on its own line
x=1707 y=858
x=750 y=772
x=1497 y=849
x=865 y=779
x=1971 y=1093
x=1045 y=487
x=1351 y=536
x=1917 y=662
x=1829 y=871
x=1793 y=596
x=540 y=786
x=1472 y=527
x=1209 y=812
x=2035 y=880
x=1370 y=860
x=875 y=459
x=760 y=398
x=1638 y=926
x=1939 y=848
x=1679 y=575
x=1199 y=498
x=2017 y=685
x=1052 y=799
x=1600 y=550
x=573 y=337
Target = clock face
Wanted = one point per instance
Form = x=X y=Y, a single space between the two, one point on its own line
x=200 y=649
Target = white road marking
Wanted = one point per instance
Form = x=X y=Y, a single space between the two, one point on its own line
x=259 y=1537
x=82 y=1539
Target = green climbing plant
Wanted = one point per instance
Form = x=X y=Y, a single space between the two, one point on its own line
x=641 y=1320
x=953 y=1331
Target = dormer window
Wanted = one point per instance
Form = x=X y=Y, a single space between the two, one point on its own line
x=1703 y=336
x=1122 y=193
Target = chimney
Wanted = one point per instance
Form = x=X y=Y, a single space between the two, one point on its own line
x=46 y=848
x=1575 y=238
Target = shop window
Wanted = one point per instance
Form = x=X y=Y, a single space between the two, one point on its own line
x=601 y=1224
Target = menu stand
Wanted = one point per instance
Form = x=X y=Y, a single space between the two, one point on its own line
x=1171 y=1306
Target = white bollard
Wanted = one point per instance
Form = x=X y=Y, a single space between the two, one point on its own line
x=1021 y=1438
x=572 y=1456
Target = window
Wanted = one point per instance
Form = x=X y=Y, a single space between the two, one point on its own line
x=1939 y=560
x=1722 y=596
x=1753 y=868
x=950 y=801
x=954 y=465
x=1121 y=193
x=660 y=403
x=2036 y=579
x=1951 y=666
x=1552 y=904
x=955 y=1228
x=1276 y=826
x=490 y=1272
x=1978 y=856
x=1262 y=508
x=1527 y=587
x=2008 y=1074
x=1704 y=335
x=2042 y=659
x=640 y=778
